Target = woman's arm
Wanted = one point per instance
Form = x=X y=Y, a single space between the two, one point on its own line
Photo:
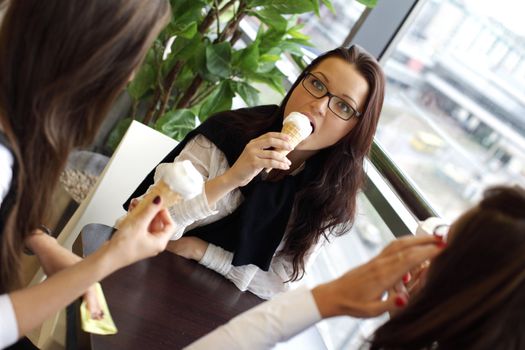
x=53 y=258
x=357 y=293
x=264 y=284
x=35 y=304
x=136 y=239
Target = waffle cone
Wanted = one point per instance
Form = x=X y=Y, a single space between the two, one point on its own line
x=169 y=198
x=293 y=131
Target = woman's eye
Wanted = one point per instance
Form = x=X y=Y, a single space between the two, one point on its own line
x=343 y=107
x=318 y=85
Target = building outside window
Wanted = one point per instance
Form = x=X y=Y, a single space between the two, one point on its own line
x=454 y=115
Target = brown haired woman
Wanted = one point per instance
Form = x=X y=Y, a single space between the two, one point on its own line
x=258 y=231
x=62 y=63
x=473 y=296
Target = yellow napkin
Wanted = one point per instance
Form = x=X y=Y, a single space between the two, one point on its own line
x=105 y=326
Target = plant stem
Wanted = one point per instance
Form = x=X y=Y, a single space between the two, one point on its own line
x=153 y=107
x=190 y=91
x=217 y=20
x=168 y=84
x=202 y=95
x=227 y=32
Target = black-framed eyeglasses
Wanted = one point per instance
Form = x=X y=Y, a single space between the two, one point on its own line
x=336 y=104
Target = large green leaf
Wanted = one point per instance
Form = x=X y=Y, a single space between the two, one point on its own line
x=143 y=82
x=247 y=59
x=186 y=30
x=185 y=13
x=220 y=100
x=248 y=93
x=118 y=133
x=269 y=39
x=176 y=124
x=315 y=4
x=274 y=79
x=267 y=63
x=218 y=59
x=272 y=19
x=328 y=4
x=368 y=3
x=285 y=7
x=146 y=77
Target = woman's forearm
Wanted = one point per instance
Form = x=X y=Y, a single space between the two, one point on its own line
x=35 y=304
x=52 y=256
x=219 y=187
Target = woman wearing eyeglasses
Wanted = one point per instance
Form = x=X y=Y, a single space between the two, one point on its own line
x=259 y=230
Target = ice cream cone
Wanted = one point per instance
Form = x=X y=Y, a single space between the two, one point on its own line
x=297 y=126
x=174 y=182
x=161 y=189
x=294 y=132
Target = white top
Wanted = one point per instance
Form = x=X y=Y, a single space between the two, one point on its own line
x=211 y=162
x=265 y=325
x=8 y=325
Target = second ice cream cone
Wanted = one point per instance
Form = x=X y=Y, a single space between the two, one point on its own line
x=161 y=189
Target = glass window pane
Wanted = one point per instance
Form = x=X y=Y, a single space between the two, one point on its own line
x=329 y=30
x=454 y=114
x=364 y=241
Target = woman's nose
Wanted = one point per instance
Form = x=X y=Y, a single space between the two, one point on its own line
x=320 y=105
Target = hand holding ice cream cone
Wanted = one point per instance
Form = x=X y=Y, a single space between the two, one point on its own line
x=297 y=126
x=174 y=182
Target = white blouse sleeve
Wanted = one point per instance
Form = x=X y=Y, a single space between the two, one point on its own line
x=264 y=284
x=265 y=325
x=8 y=325
x=203 y=154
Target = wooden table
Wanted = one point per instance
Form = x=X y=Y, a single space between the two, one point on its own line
x=167 y=302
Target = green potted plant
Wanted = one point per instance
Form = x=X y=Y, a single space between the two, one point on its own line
x=197 y=65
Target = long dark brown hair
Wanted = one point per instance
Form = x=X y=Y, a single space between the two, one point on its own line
x=327 y=206
x=474 y=297
x=62 y=64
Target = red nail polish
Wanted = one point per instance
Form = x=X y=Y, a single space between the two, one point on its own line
x=441 y=244
x=156 y=200
x=406 y=278
x=400 y=301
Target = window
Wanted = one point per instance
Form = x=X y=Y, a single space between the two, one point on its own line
x=454 y=114
x=330 y=30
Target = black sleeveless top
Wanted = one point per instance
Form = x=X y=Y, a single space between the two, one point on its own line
x=9 y=200
x=255 y=229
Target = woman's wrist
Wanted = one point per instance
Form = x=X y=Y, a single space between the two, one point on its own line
x=36 y=240
x=218 y=187
x=326 y=300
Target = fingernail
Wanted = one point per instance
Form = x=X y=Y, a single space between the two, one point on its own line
x=406 y=278
x=400 y=301
x=441 y=244
x=156 y=200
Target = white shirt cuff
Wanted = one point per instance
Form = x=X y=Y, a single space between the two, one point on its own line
x=217 y=259
x=187 y=212
x=8 y=324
